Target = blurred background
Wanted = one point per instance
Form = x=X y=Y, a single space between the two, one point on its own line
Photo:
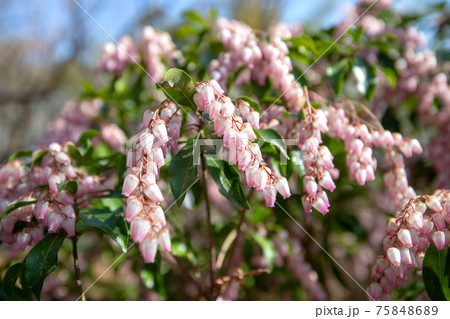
x=49 y=48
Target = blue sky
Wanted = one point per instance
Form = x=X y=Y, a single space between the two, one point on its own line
x=46 y=19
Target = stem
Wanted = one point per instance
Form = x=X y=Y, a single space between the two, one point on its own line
x=236 y=239
x=76 y=267
x=212 y=254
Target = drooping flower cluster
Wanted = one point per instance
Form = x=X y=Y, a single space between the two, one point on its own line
x=54 y=208
x=419 y=78
x=296 y=262
x=74 y=119
x=157 y=46
x=359 y=140
x=422 y=221
x=317 y=160
x=116 y=58
x=261 y=59
x=237 y=132
x=144 y=159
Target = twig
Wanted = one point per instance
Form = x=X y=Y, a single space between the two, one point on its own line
x=212 y=257
x=76 y=267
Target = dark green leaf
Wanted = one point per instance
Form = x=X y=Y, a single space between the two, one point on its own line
x=178 y=87
x=21 y=153
x=182 y=172
x=390 y=75
x=110 y=222
x=14 y=206
x=42 y=260
x=273 y=137
x=337 y=73
x=37 y=158
x=9 y=282
x=228 y=181
x=356 y=33
x=71 y=187
x=253 y=104
x=75 y=154
x=436 y=273
x=89 y=134
x=303 y=41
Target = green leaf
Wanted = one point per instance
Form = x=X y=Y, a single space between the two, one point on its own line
x=253 y=104
x=268 y=248
x=303 y=41
x=390 y=75
x=182 y=172
x=178 y=87
x=21 y=153
x=194 y=17
x=366 y=78
x=10 y=279
x=356 y=33
x=42 y=261
x=71 y=187
x=14 y=206
x=436 y=273
x=274 y=138
x=337 y=73
x=228 y=181
x=75 y=154
x=37 y=158
x=110 y=222
x=89 y=134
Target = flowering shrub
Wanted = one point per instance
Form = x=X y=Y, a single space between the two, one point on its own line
x=246 y=164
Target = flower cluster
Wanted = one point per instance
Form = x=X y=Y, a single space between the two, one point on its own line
x=237 y=132
x=317 y=160
x=423 y=220
x=262 y=59
x=74 y=119
x=144 y=159
x=297 y=263
x=54 y=208
x=360 y=139
x=116 y=58
x=157 y=46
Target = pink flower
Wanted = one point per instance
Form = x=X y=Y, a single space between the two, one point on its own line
x=438 y=238
x=41 y=209
x=134 y=207
x=129 y=185
x=221 y=124
x=244 y=159
x=213 y=109
x=23 y=240
x=148 y=250
x=157 y=215
x=326 y=181
x=139 y=228
x=154 y=193
x=52 y=181
x=54 y=222
x=260 y=178
x=282 y=187
x=405 y=238
x=394 y=256
x=270 y=194
x=69 y=226
x=229 y=138
x=320 y=205
x=253 y=119
x=164 y=240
